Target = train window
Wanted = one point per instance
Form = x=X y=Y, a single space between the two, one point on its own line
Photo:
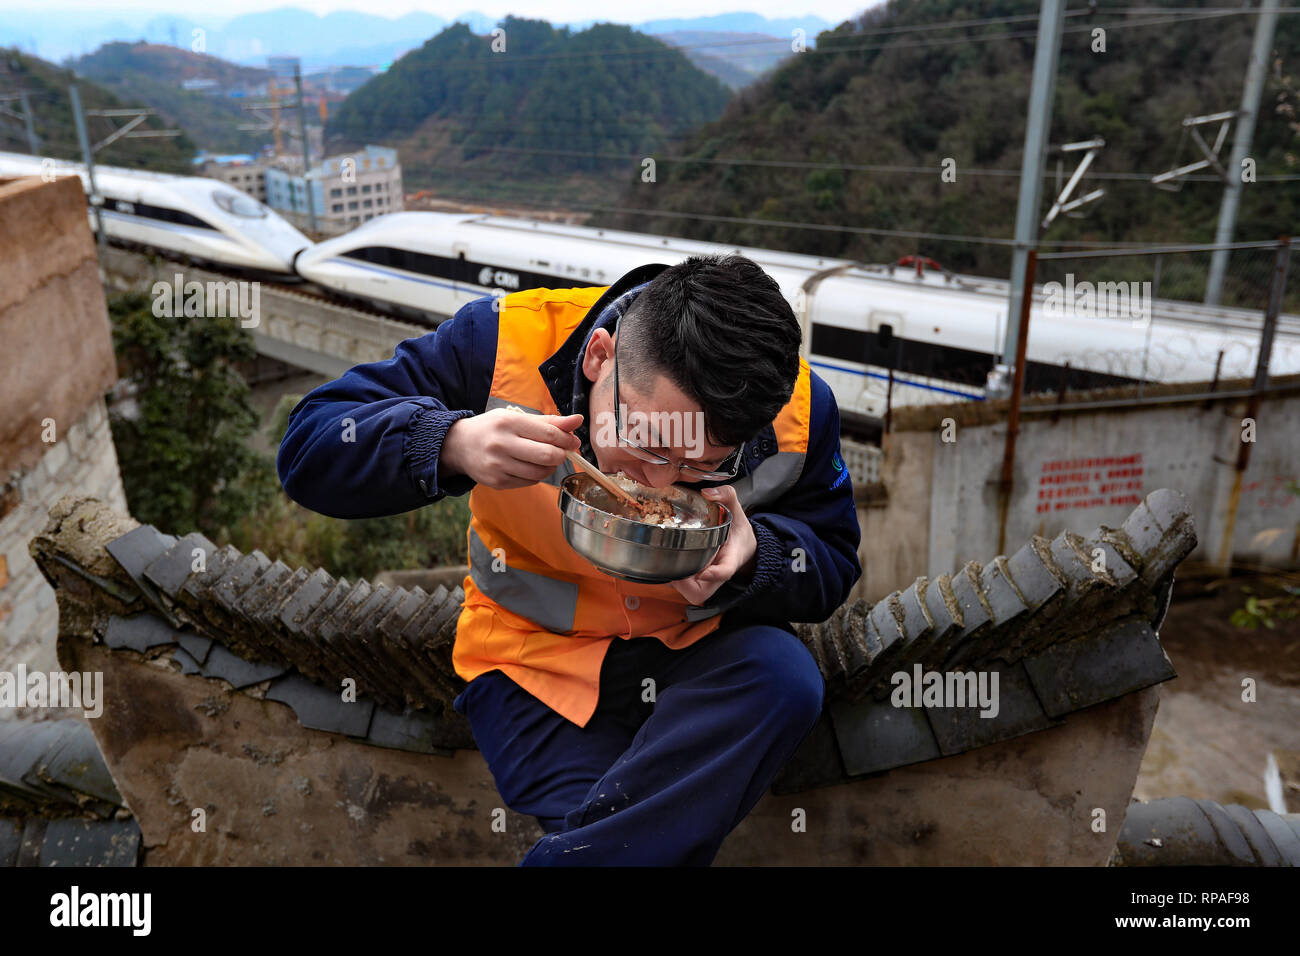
x=163 y=214
x=885 y=335
x=237 y=204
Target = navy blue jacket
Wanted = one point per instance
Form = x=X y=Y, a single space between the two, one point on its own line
x=367 y=445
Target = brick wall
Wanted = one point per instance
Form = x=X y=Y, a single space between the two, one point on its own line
x=83 y=461
x=56 y=365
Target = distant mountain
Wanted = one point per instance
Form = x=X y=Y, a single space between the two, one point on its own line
x=154 y=75
x=339 y=38
x=527 y=121
x=737 y=59
x=47 y=87
x=739 y=23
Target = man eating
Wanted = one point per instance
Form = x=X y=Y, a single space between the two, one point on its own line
x=638 y=723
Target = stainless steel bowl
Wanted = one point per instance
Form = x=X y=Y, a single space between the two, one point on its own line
x=633 y=550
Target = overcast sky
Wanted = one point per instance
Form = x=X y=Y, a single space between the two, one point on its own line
x=558 y=11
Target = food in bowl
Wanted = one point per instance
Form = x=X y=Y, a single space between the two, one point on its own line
x=626 y=545
x=649 y=508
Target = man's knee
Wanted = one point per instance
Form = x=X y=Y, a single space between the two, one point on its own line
x=786 y=672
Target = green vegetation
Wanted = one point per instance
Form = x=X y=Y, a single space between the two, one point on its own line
x=457 y=111
x=47 y=87
x=425 y=538
x=187 y=463
x=149 y=74
x=914 y=100
x=183 y=450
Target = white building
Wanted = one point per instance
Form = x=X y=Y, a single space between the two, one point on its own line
x=346 y=190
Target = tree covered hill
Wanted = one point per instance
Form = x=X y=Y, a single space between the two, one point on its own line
x=871 y=95
x=47 y=88
x=151 y=74
x=468 y=119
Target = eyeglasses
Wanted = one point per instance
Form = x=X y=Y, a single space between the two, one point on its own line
x=650 y=457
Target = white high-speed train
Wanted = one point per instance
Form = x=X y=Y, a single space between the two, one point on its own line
x=940 y=334
x=201 y=220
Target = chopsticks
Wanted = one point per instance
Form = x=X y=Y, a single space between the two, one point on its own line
x=602 y=479
x=581 y=464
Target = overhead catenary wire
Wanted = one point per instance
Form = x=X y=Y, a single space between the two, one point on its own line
x=826 y=227
x=804 y=164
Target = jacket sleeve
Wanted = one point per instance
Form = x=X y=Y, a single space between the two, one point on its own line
x=367 y=444
x=807 y=559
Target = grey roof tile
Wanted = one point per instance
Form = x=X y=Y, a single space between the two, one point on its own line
x=169 y=571
x=238 y=671
x=29 y=850
x=21 y=753
x=188 y=664
x=218 y=563
x=228 y=588
x=815 y=763
x=74 y=842
x=134 y=551
x=295 y=612
x=419 y=731
x=258 y=602
x=1124 y=657
x=322 y=709
x=875 y=735
x=414 y=631
x=395 y=621
x=859 y=645
x=11 y=838
x=139 y=632
x=975 y=617
x=959 y=729
x=196 y=645
x=77 y=764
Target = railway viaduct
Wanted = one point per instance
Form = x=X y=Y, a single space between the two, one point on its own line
x=292 y=326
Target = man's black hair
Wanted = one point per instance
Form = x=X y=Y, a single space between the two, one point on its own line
x=719 y=328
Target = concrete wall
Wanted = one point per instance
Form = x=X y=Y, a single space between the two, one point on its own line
x=1084 y=469
x=56 y=364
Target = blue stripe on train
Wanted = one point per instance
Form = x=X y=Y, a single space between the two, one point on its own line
x=898 y=380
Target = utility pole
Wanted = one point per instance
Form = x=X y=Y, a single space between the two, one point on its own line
x=24 y=101
x=33 y=143
x=1265 y=25
x=1051 y=19
x=134 y=118
x=306 y=151
x=88 y=157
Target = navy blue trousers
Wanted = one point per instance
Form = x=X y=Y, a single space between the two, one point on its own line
x=651 y=783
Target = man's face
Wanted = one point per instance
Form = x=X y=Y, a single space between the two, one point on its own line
x=661 y=418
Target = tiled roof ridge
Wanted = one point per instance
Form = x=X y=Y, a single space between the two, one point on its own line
x=1069 y=621
x=1011 y=608
x=394 y=642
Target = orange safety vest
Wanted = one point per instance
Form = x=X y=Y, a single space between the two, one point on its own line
x=534 y=608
